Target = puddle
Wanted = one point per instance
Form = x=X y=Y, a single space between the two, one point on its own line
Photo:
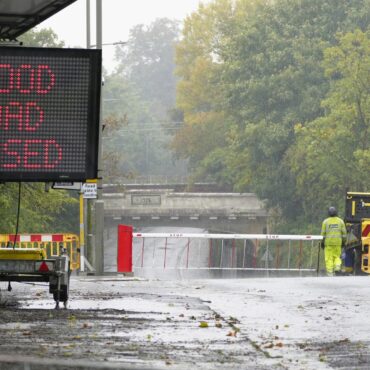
x=124 y=304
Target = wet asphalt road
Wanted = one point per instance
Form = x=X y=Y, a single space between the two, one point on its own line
x=120 y=323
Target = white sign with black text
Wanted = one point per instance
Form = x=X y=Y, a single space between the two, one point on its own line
x=89 y=190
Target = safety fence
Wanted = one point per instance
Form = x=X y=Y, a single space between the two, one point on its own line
x=237 y=252
x=51 y=243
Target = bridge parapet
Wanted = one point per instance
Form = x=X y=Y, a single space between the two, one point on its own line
x=235 y=212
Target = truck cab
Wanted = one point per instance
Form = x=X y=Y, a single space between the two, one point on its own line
x=357 y=219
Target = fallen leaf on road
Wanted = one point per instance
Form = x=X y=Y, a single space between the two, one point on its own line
x=203 y=324
x=345 y=340
x=233 y=320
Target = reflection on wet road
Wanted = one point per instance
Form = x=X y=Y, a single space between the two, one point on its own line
x=282 y=323
x=123 y=322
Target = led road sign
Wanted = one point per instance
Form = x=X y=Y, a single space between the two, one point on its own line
x=49 y=114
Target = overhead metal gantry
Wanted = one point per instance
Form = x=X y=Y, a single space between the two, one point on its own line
x=19 y=16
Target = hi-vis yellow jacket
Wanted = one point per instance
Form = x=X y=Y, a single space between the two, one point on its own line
x=334 y=231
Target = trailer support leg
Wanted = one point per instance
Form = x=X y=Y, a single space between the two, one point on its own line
x=58 y=294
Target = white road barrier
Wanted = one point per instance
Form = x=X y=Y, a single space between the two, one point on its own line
x=254 y=252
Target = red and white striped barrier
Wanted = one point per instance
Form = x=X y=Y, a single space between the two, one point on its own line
x=126 y=238
x=36 y=238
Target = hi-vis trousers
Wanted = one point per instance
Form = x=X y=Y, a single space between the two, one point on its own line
x=332 y=258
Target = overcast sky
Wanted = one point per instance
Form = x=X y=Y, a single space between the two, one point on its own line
x=118 y=17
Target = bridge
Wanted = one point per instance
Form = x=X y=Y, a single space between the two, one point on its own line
x=172 y=206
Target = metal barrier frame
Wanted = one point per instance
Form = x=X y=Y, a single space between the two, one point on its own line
x=211 y=237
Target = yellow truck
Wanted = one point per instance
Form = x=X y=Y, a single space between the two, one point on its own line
x=357 y=219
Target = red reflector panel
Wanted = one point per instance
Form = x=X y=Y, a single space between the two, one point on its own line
x=366 y=231
x=57 y=237
x=43 y=267
x=12 y=238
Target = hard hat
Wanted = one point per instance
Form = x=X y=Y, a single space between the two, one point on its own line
x=332 y=211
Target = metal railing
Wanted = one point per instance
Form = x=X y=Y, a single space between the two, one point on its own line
x=236 y=252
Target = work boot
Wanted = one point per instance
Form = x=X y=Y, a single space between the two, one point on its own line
x=339 y=273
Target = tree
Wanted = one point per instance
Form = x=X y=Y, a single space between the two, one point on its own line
x=45 y=37
x=137 y=98
x=332 y=153
x=199 y=94
x=54 y=211
x=135 y=144
x=147 y=62
x=123 y=111
x=267 y=76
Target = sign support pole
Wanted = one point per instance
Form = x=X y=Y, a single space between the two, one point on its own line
x=82 y=234
x=99 y=204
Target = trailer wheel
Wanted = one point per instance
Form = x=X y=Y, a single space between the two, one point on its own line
x=357 y=270
x=63 y=294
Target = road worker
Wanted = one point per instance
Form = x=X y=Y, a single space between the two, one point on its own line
x=334 y=235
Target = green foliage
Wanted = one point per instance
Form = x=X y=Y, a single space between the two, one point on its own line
x=258 y=66
x=332 y=152
x=123 y=110
x=137 y=98
x=274 y=78
x=199 y=96
x=40 y=212
x=45 y=37
x=134 y=143
x=147 y=62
